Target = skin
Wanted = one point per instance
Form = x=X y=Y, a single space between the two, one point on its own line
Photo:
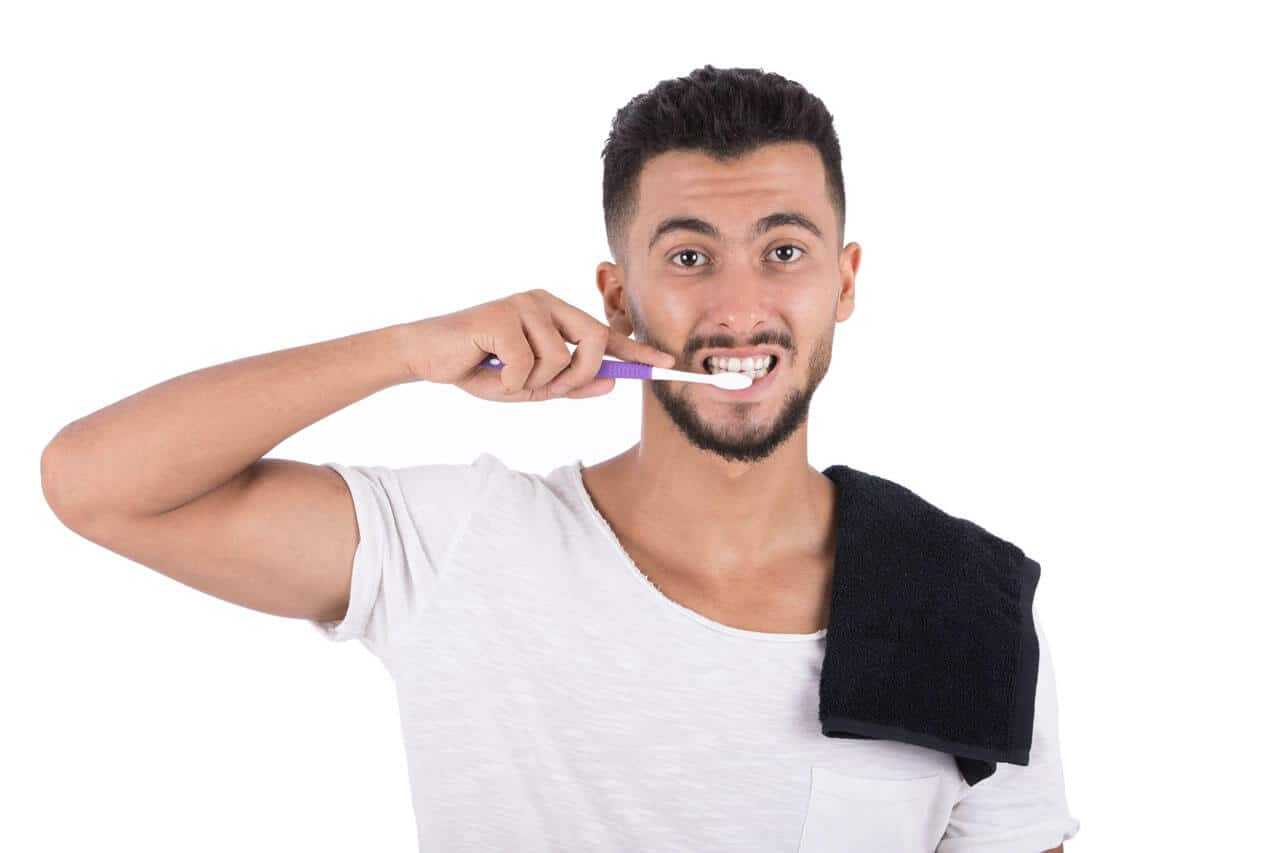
x=717 y=501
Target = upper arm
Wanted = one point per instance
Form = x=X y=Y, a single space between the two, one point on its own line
x=278 y=537
x=357 y=550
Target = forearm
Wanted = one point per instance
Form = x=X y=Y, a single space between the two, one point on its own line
x=162 y=447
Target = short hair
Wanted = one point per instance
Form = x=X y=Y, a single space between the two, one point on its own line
x=723 y=112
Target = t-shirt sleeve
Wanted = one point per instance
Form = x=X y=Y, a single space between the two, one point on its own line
x=1019 y=809
x=409 y=520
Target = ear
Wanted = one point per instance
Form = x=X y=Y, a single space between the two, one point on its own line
x=850 y=258
x=611 y=282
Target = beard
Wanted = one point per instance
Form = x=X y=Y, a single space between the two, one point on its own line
x=739 y=438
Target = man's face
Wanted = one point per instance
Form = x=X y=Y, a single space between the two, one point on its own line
x=776 y=286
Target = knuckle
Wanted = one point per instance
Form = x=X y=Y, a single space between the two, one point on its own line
x=514 y=308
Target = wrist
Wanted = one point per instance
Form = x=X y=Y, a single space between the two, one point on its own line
x=403 y=337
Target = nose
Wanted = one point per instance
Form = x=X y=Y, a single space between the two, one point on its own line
x=740 y=302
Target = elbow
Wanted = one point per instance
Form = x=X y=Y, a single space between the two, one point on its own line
x=54 y=467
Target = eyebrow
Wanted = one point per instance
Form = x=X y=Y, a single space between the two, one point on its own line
x=763 y=224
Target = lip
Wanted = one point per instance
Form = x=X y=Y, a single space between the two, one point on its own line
x=754 y=391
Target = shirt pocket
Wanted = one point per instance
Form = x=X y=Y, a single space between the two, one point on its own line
x=855 y=813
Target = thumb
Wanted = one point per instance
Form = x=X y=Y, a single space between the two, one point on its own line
x=595 y=388
x=629 y=350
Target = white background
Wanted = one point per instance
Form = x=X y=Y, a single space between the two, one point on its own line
x=1068 y=216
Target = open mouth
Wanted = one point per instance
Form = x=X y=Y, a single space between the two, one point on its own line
x=756 y=368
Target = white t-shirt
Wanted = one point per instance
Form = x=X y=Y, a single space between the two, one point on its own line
x=553 y=698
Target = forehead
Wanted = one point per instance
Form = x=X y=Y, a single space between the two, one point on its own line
x=786 y=174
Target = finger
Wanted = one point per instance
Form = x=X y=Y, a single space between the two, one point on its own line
x=551 y=354
x=632 y=350
x=512 y=348
x=574 y=319
x=587 y=357
x=595 y=388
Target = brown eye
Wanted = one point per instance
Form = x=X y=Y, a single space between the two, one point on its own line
x=790 y=250
x=684 y=254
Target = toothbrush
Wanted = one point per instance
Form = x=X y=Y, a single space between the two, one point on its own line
x=636 y=370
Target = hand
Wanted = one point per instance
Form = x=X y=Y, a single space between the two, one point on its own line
x=529 y=332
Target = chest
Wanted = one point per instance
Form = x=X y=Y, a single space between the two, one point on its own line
x=791 y=596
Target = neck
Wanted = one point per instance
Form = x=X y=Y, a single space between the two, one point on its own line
x=727 y=518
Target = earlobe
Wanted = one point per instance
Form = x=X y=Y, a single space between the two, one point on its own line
x=622 y=323
x=618 y=317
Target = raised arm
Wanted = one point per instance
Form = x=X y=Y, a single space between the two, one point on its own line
x=174 y=476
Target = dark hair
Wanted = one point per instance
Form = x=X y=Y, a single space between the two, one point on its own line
x=724 y=112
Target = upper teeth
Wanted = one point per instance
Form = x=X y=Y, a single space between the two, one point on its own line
x=757 y=364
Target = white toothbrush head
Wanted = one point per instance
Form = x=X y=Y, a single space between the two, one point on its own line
x=727 y=379
x=730 y=380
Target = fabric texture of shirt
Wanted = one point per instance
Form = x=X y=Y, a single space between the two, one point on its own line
x=552 y=698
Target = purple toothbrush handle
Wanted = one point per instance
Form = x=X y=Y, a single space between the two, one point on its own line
x=608 y=367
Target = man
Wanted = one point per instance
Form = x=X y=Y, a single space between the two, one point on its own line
x=622 y=656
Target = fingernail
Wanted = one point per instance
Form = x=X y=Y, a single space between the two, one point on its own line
x=558 y=388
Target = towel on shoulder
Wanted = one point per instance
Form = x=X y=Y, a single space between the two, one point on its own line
x=930 y=639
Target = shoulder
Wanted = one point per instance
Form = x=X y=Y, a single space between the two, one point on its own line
x=886 y=513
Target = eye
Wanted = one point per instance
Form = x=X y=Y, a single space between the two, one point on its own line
x=686 y=252
x=789 y=247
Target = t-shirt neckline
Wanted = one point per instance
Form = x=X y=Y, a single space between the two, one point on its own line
x=663 y=600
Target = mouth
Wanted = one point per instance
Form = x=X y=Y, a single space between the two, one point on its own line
x=757 y=368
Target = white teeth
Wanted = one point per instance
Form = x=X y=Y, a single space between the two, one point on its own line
x=755 y=367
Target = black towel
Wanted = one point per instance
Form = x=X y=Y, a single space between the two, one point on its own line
x=930 y=639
